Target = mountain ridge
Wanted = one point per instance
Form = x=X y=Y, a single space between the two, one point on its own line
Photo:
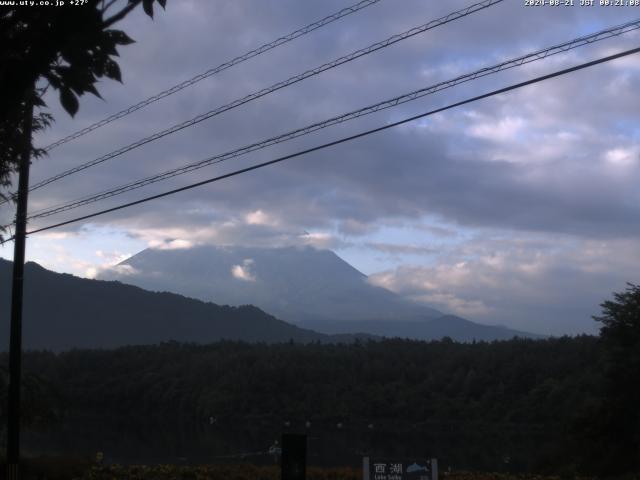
x=62 y=311
x=292 y=283
x=305 y=286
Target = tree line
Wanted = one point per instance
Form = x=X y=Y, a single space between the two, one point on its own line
x=578 y=395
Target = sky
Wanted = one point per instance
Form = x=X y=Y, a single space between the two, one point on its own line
x=520 y=209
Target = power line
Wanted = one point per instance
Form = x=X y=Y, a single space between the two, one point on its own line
x=242 y=58
x=277 y=86
x=342 y=140
x=524 y=59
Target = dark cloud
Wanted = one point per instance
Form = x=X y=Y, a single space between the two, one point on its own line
x=395 y=249
x=551 y=286
x=405 y=173
x=559 y=158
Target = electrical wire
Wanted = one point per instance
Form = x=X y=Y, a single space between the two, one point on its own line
x=341 y=140
x=212 y=71
x=277 y=86
x=508 y=64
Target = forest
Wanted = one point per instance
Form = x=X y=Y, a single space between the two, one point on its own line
x=528 y=396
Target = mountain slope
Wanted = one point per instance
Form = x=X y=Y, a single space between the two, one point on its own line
x=312 y=288
x=62 y=311
x=451 y=326
x=296 y=284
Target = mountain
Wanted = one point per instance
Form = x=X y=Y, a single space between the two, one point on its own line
x=451 y=326
x=309 y=287
x=62 y=311
x=295 y=284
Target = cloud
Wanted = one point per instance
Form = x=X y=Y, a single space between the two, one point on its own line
x=258 y=217
x=396 y=249
x=243 y=272
x=622 y=157
x=504 y=130
x=175 y=244
x=322 y=240
x=452 y=303
x=119 y=270
x=554 y=160
x=108 y=262
x=354 y=227
x=551 y=287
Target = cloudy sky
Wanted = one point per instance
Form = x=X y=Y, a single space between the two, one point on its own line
x=520 y=210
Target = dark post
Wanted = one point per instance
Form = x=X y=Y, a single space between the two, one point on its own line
x=15 y=342
x=294 y=457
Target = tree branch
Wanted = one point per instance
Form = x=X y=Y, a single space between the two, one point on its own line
x=121 y=14
x=107 y=6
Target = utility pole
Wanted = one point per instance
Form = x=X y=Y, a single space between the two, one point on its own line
x=15 y=342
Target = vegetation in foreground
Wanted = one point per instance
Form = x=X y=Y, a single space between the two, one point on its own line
x=49 y=468
x=470 y=404
x=558 y=405
x=249 y=472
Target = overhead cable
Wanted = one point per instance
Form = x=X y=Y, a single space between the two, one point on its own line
x=212 y=71
x=339 y=141
x=398 y=100
x=276 y=86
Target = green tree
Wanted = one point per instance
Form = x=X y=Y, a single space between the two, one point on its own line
x=40 y=401
x=66 y=48
x=619 y=417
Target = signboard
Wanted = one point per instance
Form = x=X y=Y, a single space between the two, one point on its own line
x=396 y=469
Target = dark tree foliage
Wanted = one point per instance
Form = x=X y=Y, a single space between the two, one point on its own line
x=617 y=422
x=40 y=402
x=12 y=138
x=535 y=388
x=65 y=48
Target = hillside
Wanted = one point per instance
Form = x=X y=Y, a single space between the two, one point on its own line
x=62 y=311
x=296 y=284
x=469 y=405
x=451 y=326
x=309 y=287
